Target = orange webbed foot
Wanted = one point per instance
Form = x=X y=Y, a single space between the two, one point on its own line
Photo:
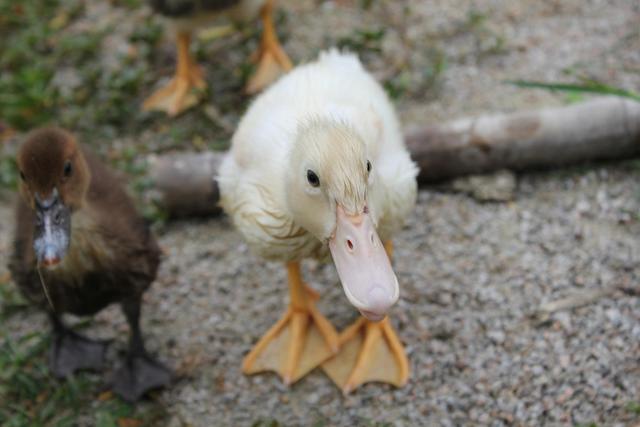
x=271 y=58
x=297 y=343
x=369 y=352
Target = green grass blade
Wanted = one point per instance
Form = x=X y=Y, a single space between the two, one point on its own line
x=592 y=87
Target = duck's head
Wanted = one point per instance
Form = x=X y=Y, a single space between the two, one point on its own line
x=54 y=180
x=328 y=180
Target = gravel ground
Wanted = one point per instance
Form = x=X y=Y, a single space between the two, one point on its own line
x=471 y=273
x=471 y=276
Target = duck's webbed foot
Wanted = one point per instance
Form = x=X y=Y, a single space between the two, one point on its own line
x=271 y=58
x=301 y=340
x=370 y=352
x=71 y=352
x=140 y=372
x=185 y=88
x=138 y=375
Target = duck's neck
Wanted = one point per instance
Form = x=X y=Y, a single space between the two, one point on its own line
x=88 y=249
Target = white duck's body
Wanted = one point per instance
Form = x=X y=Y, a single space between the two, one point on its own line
x=335 y=90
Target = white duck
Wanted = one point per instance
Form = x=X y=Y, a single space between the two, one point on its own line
x=318 y=165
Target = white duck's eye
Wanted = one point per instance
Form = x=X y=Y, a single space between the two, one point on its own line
x=368 y=166
x=312 y=178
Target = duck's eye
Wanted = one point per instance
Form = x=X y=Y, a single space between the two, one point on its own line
x=67 y=169
x=368 y=166
x=312 y=178
x=22 y=177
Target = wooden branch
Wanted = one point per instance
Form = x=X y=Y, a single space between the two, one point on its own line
x=184 y=183
x=602 y=129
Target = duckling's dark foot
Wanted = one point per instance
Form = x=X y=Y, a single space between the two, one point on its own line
x=71 y=352
x=138 y=375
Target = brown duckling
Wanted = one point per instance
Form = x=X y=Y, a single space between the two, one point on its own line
x=187 y=15
x=80 y=245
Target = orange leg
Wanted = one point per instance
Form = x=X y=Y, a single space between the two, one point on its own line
x=272 y=59
x=369 y=352
x=178 y=95
x=301 y=340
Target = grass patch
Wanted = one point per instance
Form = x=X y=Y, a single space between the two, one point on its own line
x=266 y=423
x=487 y=41
x=30 y=396
x=633 y=407
x=25 y=95
x=62 y=65
x=10 y=302
x=8 y=172
x=402 y=85
x=577 y=89
x=361 y=41
x=54 y=72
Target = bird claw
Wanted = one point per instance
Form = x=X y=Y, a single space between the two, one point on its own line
x=138 y=375
x=71 y=352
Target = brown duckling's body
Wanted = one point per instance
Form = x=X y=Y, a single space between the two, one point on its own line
x=79 y=246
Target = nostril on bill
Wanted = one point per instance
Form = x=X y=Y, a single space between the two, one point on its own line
x=350 y=245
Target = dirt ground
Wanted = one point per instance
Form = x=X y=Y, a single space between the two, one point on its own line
x=472 y=274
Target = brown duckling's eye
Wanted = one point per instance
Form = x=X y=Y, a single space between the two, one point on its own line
x=22 y=177
x=312 y=178
x=368 y=166
x=67 y=169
